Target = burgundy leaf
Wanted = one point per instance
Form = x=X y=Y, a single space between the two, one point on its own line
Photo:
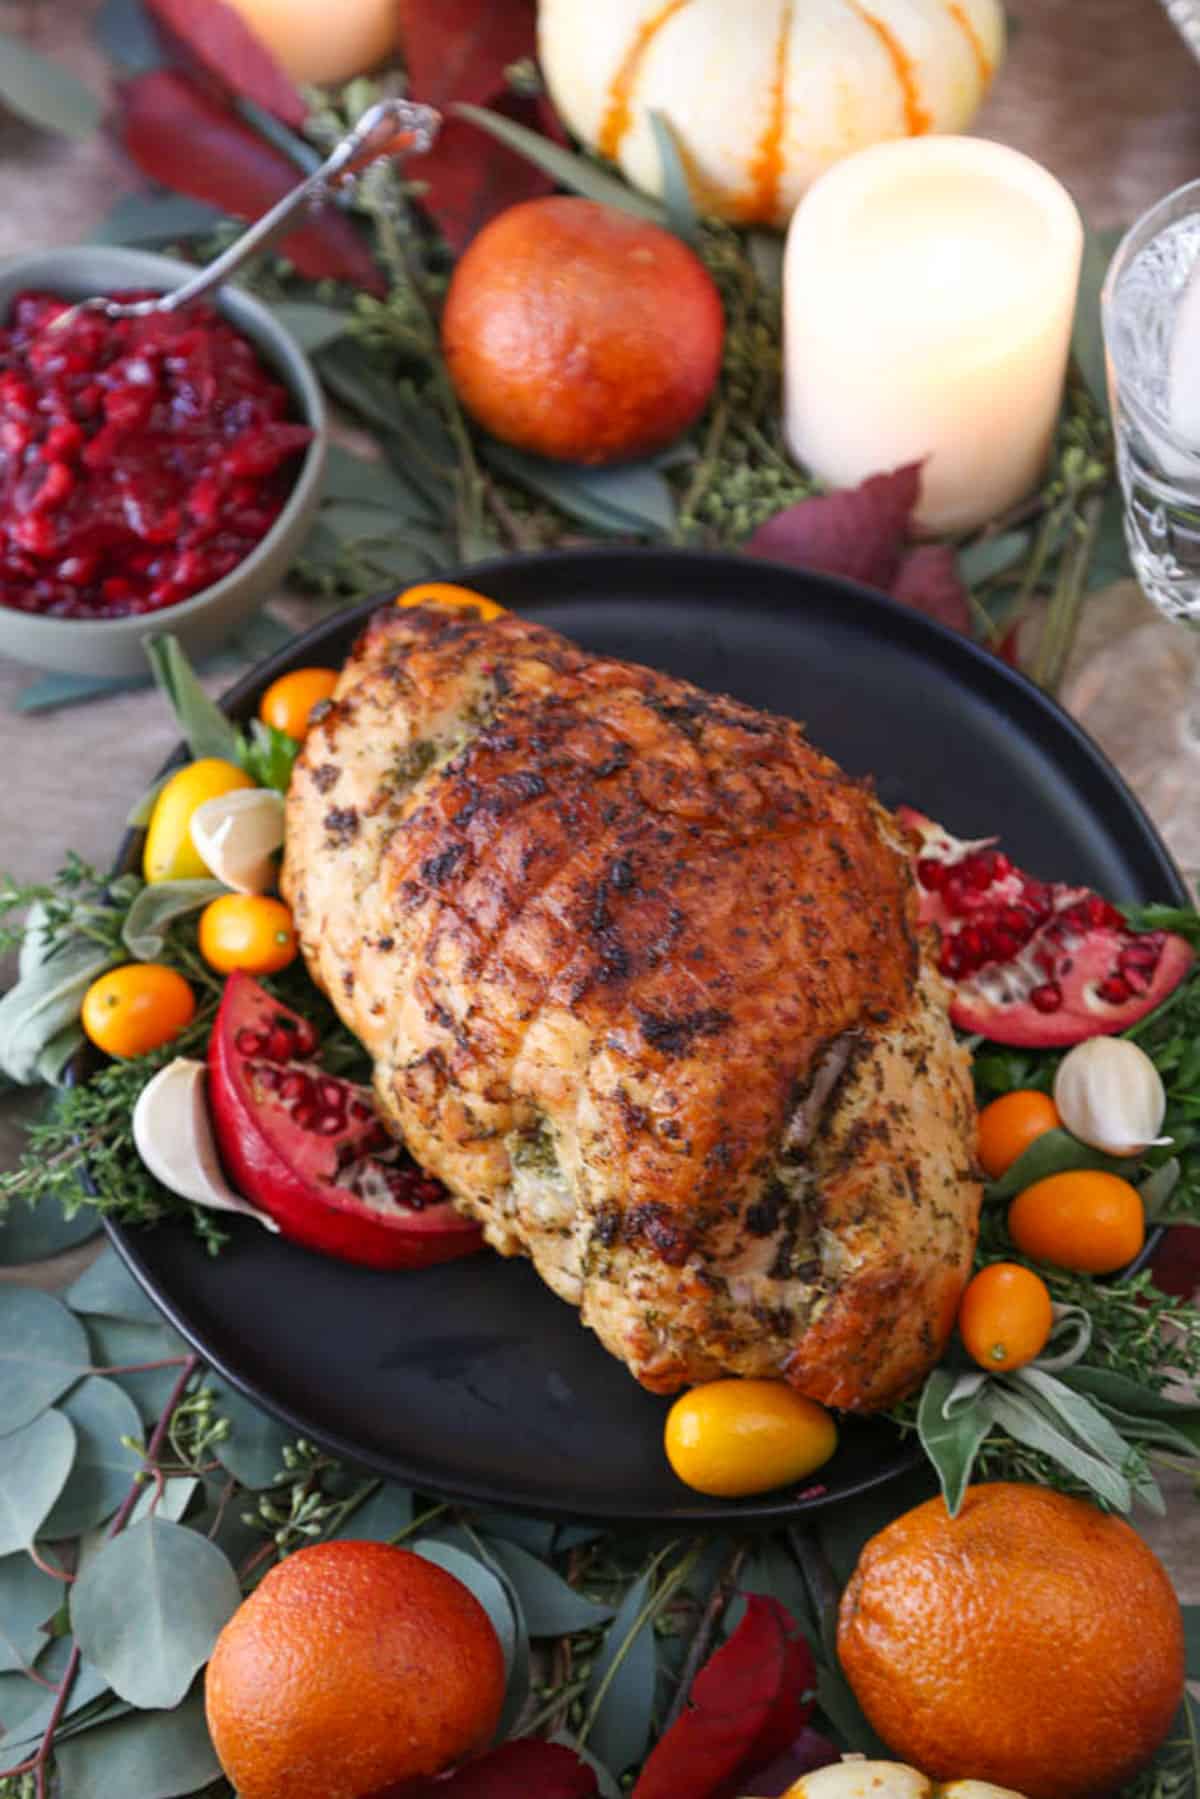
x=810 y=1751
x=188 y=141
x=1175 y=1264
x=222 y=42
x=928 y=580
x=459 y=49
x=1009 y=647
x=856 y=531
x=469 y=178
x=747 y=1705
x=525 y=1768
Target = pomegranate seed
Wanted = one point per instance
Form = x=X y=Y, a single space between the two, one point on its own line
x=329 y=1124
x=1047 y=998
x=305 y=1117
x=332 y=1094
x=931 y=873
x=360 y=1111
x=268 y=1076
x=979 y=871
x=1001 y=866
x=279 y=1044
x=1114 y=990
x=248 y=1043
x=296 y=1086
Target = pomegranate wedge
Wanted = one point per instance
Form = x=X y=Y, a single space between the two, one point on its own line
x=312 y=1151
x=1036 y=964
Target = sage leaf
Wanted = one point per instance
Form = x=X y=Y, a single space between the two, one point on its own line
x=1054 y=1152
x=682 y=217
x=43 y=1351
x=619 y=1700
x=551 y=1608
x=1154 y=1417
x=253 y=1450
x=43 y=92
x=366 y=483
x=27 y=1599
x=103 y=1469
x=207 y=730
x=578 y=173
x=54 y=1058
x=34 y=1465
x=107 y=1287
x=989 y=556
x=953 y=1442
x=138 y=816
x=1069 y=1340
x=45 y=1003
x=124 y=30
x=1077 y=1412
x=384 y=1515
x=311 y=325
x=157 y=1755
x=156 y=908
x=147 y=1610
x=155 y=219
x=1158 y=1188
x=482 y=1582
x=1029 y=1424
x=632 y=500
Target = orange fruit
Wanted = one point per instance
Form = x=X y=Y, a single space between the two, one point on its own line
x=451 y=598
x=1010 y=1124
x=1084 y=1220
x=288 y=702
x=136 y=1008
x=247 y=931
x=578 y=332
x=350 y=1668
x=1033 y=1641
x=1005 y=1316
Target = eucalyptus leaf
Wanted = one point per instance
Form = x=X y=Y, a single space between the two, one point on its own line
x=43 y=1351
x=21 y=1698
x=1029 y=1423
x=952 y=1442
x=204 y=725
x=610 y=1787
x=1087 y=337
x=117 y=1344
x=124 y=30
x=34 y=1465
x=155 y=219
x=147 y=1610
x=634 y=499
x=312 y=326
x=682 y=216
x=169 y=1501
x=536 y=1535
x=550 y=1606
x=46 y=1003
x=104 y=1468
x=368 y=483
x=989 y=556
x=355 y=522
x=479 y=1580
x=157 y=907
x=353 y=380
x=1110 y=549
x=845 y=1715
x=28 y=1599
x=155 y=1755
x=107 y=1287
x=406 y=560
x=384 y=1515
x=31 y=1233
x=578 y=173
x=1054 y=1152
x=1191 y=1640
x=25 y=1724
x=43 y=92
x=253 y=1450
x=1158 y=1188
x=619 y=1700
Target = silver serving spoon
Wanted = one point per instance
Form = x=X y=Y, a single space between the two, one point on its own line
x=377 y=128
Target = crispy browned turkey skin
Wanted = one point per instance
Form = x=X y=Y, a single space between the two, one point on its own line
x=639 y=971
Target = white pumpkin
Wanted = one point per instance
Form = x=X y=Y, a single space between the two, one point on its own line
x=762 y=95
x=854 y=1777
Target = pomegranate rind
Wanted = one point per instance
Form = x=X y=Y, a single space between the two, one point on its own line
x=1019 y=1024
x=330 y=1221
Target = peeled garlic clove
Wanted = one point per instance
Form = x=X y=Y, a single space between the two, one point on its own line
x=236 y=835
x=1109 y=1095
x=174 y=1138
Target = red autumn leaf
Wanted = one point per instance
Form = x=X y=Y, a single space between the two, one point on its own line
x=746 y=1706
x=1175 y=1264
x=525 y=1768
x=928 y=579
x=1009 y=647
x=470 y=178
x=856 y=531
x=181 y=137
x=459 y=49
x=810 y=1751
x=225 y=46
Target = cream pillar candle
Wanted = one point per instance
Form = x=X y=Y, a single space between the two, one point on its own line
x=929 y=292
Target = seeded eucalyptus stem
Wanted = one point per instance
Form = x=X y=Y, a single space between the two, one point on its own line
x=1062 y=616
x=651 y=1610
x=714 y=1611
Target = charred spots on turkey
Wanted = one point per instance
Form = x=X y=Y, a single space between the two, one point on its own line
x=614 y=763
x=325 y=776
x=763 y=1217
x=657 y=1226
x=341 y=825
x=606 y=1226
x=438 y=869
x=384 y=944
x=320 y=710
x=675 y=1033
x=621 y=875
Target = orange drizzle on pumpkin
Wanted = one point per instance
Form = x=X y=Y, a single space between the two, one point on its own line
x=963 y=21
x=619 y=114
x=916 y=116
x=766 y=164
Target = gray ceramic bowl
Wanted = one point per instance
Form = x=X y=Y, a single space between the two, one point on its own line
x=114 y=646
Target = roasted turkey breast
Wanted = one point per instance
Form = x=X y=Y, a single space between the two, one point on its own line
x=639 y=971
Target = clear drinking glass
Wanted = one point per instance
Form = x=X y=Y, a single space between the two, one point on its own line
x=1159 y=469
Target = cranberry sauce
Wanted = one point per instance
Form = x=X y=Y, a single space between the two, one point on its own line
x=140 y=459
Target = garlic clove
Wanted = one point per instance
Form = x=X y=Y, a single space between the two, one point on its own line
x=236 y=835
x=1110 y=1095
x=174 y=1138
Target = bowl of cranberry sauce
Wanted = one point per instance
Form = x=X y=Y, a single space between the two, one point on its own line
x=155 y=474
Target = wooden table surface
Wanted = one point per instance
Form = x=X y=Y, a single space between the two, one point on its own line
x=1104 y=93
